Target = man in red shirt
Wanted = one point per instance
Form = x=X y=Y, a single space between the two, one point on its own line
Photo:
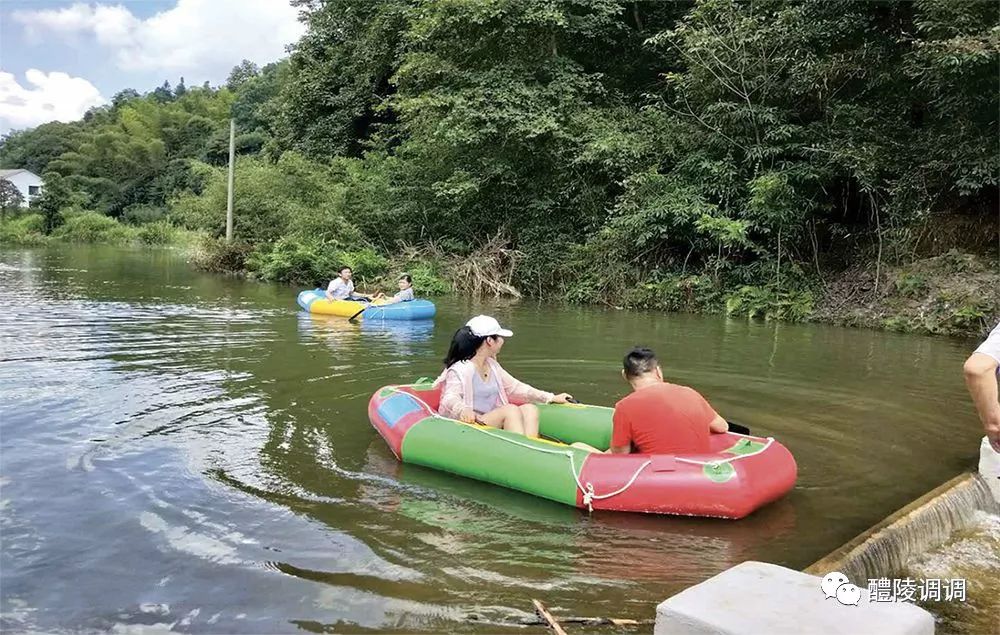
x=658 y=417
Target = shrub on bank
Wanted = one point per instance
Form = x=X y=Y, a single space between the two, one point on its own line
x=366 y=264
x=144 y=214
x=291 y=198
x=308 y=263
x=218 y=256
x=673 y=292
x=427 y=279
x=92 y=227
x=157 y=233
x=23 y=230
x=770 y=303
x=294 y=261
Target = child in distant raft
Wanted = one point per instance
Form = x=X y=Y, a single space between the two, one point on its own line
x=405 y=293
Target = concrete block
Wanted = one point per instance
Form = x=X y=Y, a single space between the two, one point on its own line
x=756 y=597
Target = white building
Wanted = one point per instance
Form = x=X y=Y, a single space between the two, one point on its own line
x=28 y=183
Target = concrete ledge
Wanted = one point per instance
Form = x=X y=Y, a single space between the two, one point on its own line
x=755 y=597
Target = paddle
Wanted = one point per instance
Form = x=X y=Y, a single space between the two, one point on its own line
x=363 y=309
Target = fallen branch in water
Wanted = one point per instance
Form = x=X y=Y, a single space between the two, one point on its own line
x=540 y=620
x=587 y=621
x=545 y=615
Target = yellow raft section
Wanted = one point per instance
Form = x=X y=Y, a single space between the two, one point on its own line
x=315 y=302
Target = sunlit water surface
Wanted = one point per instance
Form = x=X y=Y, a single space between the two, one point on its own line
x=190 y=451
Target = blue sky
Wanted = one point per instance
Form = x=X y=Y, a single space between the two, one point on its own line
x=59 y=57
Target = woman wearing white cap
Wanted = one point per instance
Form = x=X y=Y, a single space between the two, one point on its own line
x=477 y=388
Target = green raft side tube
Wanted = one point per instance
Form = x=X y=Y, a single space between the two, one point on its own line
x=570 y=423
x=536 y=467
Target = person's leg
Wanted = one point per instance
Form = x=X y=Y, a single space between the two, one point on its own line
x=505 y=417
x=529 y=414
x=514 y=421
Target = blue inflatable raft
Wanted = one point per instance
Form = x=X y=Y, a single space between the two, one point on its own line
x=315 y=302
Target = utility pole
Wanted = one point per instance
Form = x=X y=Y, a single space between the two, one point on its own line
x=232 y=167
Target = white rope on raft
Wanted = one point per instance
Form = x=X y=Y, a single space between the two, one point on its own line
x=587 y=490
x=589 y=495
x=717 y=462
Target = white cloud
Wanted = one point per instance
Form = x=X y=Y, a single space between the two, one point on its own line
x=111 y=25
x=200 y=38
x=51 y=96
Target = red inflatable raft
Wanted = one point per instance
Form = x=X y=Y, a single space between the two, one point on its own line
x=739 y=475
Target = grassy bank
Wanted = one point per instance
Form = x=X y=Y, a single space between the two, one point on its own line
x=955 y=293
x=93 y=228
x=487 y=271
x=951 y=294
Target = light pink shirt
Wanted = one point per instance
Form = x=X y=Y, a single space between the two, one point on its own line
x=458 y=392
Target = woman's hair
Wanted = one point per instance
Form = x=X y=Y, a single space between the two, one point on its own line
x=341 y=270
x=463 y=346
x=407 y=278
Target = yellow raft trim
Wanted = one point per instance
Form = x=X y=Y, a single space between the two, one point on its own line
x=341 y=308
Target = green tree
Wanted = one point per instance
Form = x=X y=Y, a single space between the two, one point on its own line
x=242 y=73
x=954 y=65
x=34 y=149
x=255 y=106
x=56 y=196
x=490 y=102
x=340 y=71
x=10 y=198
x=293 y=197
x=164 y=93
x=119 y=157
x=124 y=96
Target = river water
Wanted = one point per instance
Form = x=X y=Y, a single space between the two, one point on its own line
x=190 y=451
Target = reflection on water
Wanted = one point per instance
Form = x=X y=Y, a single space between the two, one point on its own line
x=604 y=545
x=399 y=333
x=340 y=335
x=190 y=451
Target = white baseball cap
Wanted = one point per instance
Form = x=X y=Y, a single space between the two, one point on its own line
x=484 y=326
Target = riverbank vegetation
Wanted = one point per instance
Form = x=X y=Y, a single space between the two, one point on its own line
x=83 y=227
x=815 y=159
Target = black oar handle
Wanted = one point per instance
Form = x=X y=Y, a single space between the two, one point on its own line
x=363 y=309
x=738 y=428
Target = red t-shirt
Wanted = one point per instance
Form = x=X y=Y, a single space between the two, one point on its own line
x=663 y=419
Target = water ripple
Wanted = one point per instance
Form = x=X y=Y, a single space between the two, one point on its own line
x=188 y=452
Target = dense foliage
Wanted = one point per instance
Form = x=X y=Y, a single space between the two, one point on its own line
x=711 y=154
